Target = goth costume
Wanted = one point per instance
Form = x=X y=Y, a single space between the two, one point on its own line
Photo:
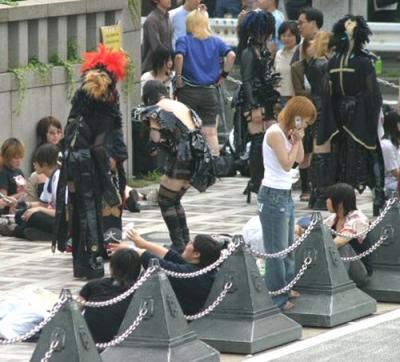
x=356 y=101
x=324 y=130
x=85 y=170
x=257 y=90
x=188 y=158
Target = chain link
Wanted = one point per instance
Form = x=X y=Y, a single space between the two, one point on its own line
x=37 y=328
x=122 y=296
x=307 y=262
x=368 y=251
x=373 y=225
x=389 y=84
x=225 y=254
x=282 y=253
x=212 y=306
x=49 y=353
x=126 y=334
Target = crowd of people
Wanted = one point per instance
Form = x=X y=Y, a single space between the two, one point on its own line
x=309 y=98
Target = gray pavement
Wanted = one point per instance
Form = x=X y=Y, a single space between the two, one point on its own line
x=221 y=209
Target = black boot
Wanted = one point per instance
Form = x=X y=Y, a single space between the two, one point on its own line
x=379 y=193
x=256 y=165
x=321 y=169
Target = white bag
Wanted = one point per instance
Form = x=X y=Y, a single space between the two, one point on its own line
x=252 y=234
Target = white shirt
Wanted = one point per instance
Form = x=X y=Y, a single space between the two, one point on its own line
x=274 y=174
x=49 y=194
x=282 y=65
x=149 y=76
x=391 y=160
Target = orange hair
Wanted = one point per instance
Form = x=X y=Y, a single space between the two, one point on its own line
x=322 y=44
x=297 y=107
x=11 y=148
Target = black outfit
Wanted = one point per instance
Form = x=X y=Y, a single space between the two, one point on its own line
x=86 y=164
x=324 y=130
x=356 y=101
x=7 y=182
x=104 y=322
x=191 y=293
x=258 y=90
x=188 y=158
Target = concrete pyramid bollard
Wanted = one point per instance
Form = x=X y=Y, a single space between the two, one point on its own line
x=246 y=321
x=384 y=283
x=69 y=329
x=328 y=296
x=163 y=335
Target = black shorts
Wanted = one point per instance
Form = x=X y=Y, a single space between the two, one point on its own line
x=203 y=100
x=179 y=170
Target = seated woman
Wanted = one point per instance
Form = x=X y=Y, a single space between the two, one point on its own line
x=348 y=220
x=104 y=322
x=202 y=251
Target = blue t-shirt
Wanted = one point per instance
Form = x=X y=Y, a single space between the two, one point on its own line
x=201 y=64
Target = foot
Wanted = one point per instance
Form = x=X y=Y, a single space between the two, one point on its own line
x=305 y=196
x=294 y=294
x=287 y=306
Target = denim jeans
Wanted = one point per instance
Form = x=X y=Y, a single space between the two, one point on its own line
x=276 y=212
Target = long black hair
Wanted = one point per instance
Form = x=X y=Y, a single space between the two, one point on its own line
x=342 y=193
x=255 y=26
x=390 y=126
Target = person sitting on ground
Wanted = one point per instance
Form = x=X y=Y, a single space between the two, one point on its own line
x=348 y=220
x=35 y=220
x=202 y=251
x=48 y=130
x=104 y=322
x=390 y=151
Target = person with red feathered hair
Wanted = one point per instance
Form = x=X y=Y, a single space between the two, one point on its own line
x=94 y=118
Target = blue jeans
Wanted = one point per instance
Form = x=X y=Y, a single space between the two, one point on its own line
x=276 y=212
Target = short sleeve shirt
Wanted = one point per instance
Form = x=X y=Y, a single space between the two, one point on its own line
x=201 y=64
x=11 y=180
x=392 y=162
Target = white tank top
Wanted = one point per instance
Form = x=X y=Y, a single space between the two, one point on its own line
x=274 y=174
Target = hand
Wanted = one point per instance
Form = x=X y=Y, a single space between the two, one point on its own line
x=298 y=134
x=179 y=82
x=134 y=235
x=118 y=246
x=28 y=213
x=298 y=230
x=221 y=80
x=256 y=115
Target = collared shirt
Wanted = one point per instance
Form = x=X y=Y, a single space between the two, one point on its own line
x=156 y=32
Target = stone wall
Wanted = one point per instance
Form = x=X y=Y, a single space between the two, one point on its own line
x=40 y=29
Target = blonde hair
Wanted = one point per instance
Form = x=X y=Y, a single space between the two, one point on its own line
x=297 y=107
x=198 y=24
x=322 y=44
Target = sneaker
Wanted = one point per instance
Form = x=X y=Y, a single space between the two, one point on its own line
x=34 y=234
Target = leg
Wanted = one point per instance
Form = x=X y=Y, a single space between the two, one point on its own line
x=180 y=211
x=256 y=164
x=289 y=259
x=211 y=136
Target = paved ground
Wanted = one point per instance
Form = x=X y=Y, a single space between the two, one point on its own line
x=221 y=209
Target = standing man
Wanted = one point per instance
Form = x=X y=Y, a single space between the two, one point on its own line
x=157 y=32
x=178 y=18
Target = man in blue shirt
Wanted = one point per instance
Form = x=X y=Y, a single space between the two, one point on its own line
x=178 y=18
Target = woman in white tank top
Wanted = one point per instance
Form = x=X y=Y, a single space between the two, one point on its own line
x=282 y=147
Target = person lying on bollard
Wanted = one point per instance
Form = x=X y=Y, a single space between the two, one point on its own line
x=348 y=220
x=104 y=322
x=202 y=251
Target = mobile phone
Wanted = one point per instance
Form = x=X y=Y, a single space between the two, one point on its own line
x=298 y=122
x=6 y=198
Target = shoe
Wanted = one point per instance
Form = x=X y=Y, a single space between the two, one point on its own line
x=134 y=195
x=34 y=234
x=287 y=306
x=294 y=294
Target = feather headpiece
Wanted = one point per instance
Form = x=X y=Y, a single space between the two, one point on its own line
x=114 y=62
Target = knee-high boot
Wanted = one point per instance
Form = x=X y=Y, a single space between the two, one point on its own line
x=321 y=165
x=379 y=192
x=168 y=200
x=180 y=211
x=256 y=165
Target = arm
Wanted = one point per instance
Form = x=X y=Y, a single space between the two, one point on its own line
x=298 y=80
x=285 y=158
x=178 y=69
x=156 y=249
x=339 y=241
x=152 y=29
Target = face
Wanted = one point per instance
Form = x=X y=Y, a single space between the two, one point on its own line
x=15 y=162
x=288 y=39
x=54 y=135
x=350 y=25
x=165 y=4
x=192 y=4
x=306 y=28
x=168 y=65
x=189 y=254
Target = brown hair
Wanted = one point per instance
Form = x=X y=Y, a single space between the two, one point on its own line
x=322 y=44
x=11 y=148
x=304 y=46
x=297 y=107
x=43 y=126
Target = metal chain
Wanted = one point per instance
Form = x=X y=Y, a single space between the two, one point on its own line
x=373 y=225
x=122 y=296
x=125 y=335
x=37 y=328
x=307 y=262
x=368 y=251
x=211 y=307
x=389 y=84
x=282 y=253
x=225 y=255
x=49 y=353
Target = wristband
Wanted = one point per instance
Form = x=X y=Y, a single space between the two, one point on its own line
x=224 y=74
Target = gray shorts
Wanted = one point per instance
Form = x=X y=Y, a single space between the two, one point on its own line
x=203 y=100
